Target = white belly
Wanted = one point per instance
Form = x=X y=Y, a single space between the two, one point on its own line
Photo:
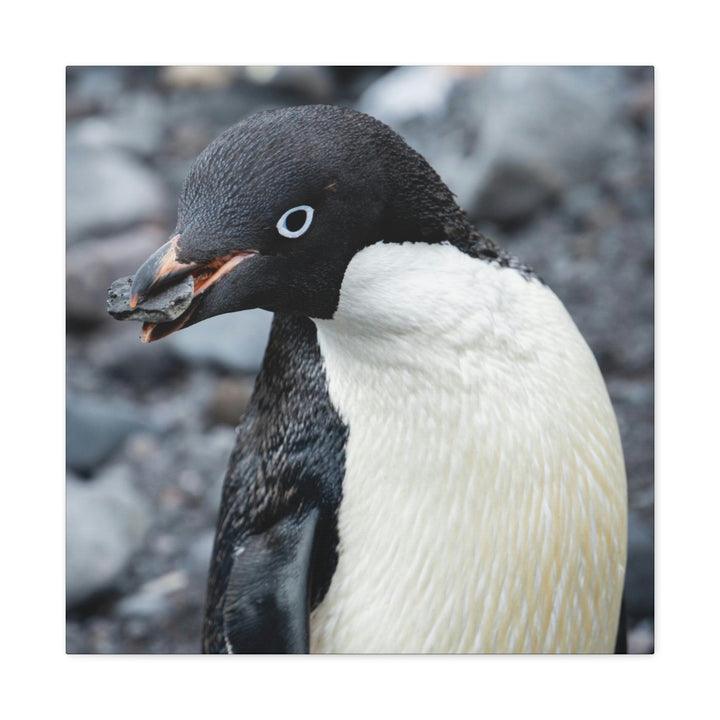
x=484 y=501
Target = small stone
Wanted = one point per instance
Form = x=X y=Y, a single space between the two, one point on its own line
x=165 y=305
x=107 y=520
x=109 y=191
x=93 y=264
x=96 y=428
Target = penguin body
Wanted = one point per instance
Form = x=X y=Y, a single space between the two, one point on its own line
x=484 y=490
x=430 y=461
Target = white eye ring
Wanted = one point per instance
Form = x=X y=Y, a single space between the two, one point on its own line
x=282 y=227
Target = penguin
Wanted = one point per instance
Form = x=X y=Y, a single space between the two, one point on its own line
x=430 y=462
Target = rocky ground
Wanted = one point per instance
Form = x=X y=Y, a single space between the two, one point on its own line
x=554 y=163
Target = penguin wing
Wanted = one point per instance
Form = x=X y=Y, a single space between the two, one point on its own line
x=268 y=593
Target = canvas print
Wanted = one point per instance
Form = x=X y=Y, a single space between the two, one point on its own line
x=360 y=360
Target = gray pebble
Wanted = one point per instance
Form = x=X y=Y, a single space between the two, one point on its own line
x=168 y=304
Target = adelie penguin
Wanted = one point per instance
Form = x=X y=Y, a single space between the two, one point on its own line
x=430 y=462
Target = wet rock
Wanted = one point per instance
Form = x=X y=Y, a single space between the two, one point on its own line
x=96 y=428
x=109 y=191
x=93 y=265
x=106 y=524
x=235 y=341
x=165 y=305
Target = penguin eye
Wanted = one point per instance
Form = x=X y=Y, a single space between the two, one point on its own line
x=295 y=221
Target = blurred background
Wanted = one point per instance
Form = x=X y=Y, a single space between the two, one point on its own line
x=554 y=163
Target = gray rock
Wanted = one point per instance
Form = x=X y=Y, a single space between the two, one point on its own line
x=507 y=138
x=438 y=112
x=165 y=305
x=96 y=428
x=200 y=554
x=93 y=265
x=641 y=639
x=542 y=130
x=93 y=89
x=235 y=341
x=603 y=277
x=408 y=93
x=117 y=356
x=107 y=520
x=135 y=125
x=143 y=605
x=208 y=455
x=108 y=190
x=151 y=600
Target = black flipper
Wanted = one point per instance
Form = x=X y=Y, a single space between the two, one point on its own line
x=279 y=503
x=268 y=593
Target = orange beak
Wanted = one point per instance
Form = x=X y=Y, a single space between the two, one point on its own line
x=163 y=268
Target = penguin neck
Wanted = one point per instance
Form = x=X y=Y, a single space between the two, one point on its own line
x=420 y=207
x=423 y=210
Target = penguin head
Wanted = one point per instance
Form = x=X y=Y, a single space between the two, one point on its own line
x=274 y=209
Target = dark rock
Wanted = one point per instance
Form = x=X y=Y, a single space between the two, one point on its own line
x=106 y=524
x=109 y=191
x=165 y=305
x=93 y=265
x=640 y=577
x=634 y=405
x=602 y=277
x=96 y=429
x=119 y=355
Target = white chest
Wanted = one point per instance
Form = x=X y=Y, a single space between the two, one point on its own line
x=484 y=498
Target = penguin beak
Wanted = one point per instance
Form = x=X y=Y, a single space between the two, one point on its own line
x=161 y=268
x=164 y=268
